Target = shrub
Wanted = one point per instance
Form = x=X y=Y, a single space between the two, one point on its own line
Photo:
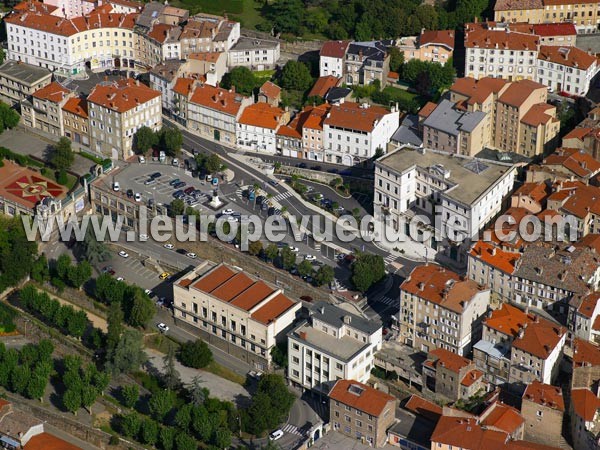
x=62 y=178
x=195 y=354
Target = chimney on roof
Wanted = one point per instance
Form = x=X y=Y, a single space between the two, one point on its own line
x=521 y=333
x=322 y=310
x=347 y=319
x=421 y=286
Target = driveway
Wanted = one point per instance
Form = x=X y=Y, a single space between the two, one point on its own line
x=219 y=387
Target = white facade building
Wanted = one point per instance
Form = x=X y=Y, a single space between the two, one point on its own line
x=255 y=54
x=331 y=58
x=257 y=127
x=353 y=132
x=566 y=69
x=332 y=344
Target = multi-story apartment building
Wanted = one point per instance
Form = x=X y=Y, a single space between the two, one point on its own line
x=20 y=80
x=331 y=58
x=163 y=77
x=549 y=276
x=440 y=310
x=531 y=11
x=44 y=110
x=214 y=112
x=243 y=316
x=585 y=321
x=451 y=376
x=431 y=46
x=255 y=54
x=353 y=132
x=269 y=93
x=543 y=409
x=116 y=111
x=311 y=122
x=361 y=412
x=585 y=363
x=76 y=123
x=164 y=43
x=332 y=344
x=561 y=34
x=210 y=65
x=585 y=419
x=566 y=69
x=366 y=62
x=493 y=50
x=452 y=130
x=208 y=33
x=459 y=194
x=494 y=267
x=258 y=125
x=98 y=40
x=518 y=347
x=565 y=164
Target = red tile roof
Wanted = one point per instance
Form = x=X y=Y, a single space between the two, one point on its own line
x=425 y=408
x=160 y=32
x=540 y=114
x=353 y=116
x=252 y=296
x=427 y=109
x=262 y=115
x=39 y=7
x=519 y=91
x=218 y=99
x=554 y=29
x=578 y=133
x=232 y=287
x=47 y=441
x=471 y=377
x=588 y=305
x=441 y=286
x=271 y=90
x=585 y=404
x=273 y=309
x=334 y=49
x=585 y=354
x=540 y=338
x=509 y=5
x=477 y=35
x=495 y=257
x=545 y=395
x=447 y=359
x=591 y=241
x=577 y=161
x=289 y=131
x=205 y=56
x=183 y=86
x=536 y=191
x=465 y=433
x=478 y=90
x=443 y=37
x=54 y=92
x=122 y=95
x=214 y=279
x=567 y=56
x=502 y=417
x=360 y=396
x=508 y=320
x=322 y=85
x=77 y=106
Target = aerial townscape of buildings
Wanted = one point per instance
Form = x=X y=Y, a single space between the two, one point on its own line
x=480 y=325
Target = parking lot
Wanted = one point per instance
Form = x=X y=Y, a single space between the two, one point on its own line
x=135 y=177
x=85 y=86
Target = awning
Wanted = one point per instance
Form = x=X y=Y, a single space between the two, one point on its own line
x=9 y=441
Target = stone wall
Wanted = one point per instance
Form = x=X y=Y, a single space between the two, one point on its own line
x=361 y=184
x=296 y=47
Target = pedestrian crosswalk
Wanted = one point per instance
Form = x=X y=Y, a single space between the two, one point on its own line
x=239 y=193
x=291 y=429
x=389 y=301
x=282 y=196
x=389 y=259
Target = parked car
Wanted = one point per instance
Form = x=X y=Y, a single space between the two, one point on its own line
x=189 y=190
x=175 y=162
x=227 y=212
x=191 y=255
x=174 y=181
x=181 y=251
x=162 y=327
x=150 y=181
x=180 y=184
x=169 y=246
x=156 y=175
x=138 y=197
x=129 y=193
x=116 y=186
x=107 y=72
x=164 y=275
x=310 y=258
x=277 y=434
x=123 y=254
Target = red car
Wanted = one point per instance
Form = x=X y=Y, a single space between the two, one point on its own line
x=189 y=190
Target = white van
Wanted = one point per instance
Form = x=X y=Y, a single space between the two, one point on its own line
x=277 y=434
x=142 y=159
x=162 y=156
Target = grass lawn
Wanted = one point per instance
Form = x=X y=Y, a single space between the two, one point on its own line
x=224 y=372
x=400 y=94
x=247 y=12
x=71 y=179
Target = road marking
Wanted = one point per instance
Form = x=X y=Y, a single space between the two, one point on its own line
x=389 y=259
x=388 y=301
x=282 y=196
x=291 y=429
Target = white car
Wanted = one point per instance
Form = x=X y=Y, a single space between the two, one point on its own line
x=277 y=434
x=228 y=212
x=138 y=197
x=232 y=219
x=116 y=186
x=169 y=246
x=123 y=254
x=175 y=162
x=120 y=279
x=143 y=237
x=310 y=258
x=191 y=255
x=163 y=327
x=294 y=249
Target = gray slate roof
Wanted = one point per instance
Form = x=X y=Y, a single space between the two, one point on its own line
x=408 y=131
x=25 y=73
x=448 y=119
x=334 y=316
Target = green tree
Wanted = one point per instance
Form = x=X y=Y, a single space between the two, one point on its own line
x=160 y=403
x=271 y=252
x=77 y=323
x=222 y=438
x=288 y=258
x=241 y=78
x=39 y=270
x=396 y=60
x=129 y=395
x=255 y=248
x=130 y=424
x=195 y=354
x=62 y=154
x=209 y=164
x=316 y=20
x=183 y=417
x=198 y=394
x=2 y=55
x=9 y=118
x=94 y=250
x=37 y=385
x=287 y=15
x=305 y=268
x=89 y=394
x=171 y=376
x=184 y=441
x=324 y=275
x=167 y=438
x=142 y=309
x=280 y=355
x=114 y=326
x=72 y=400
x=201 y=423
x=270 y=405
x=177 y=208
x=149 y=431
x=62 y=266
x=144 y=139
x=17 y=253
x=171 y=140
x=19 y=379
x=367 y=270
x=79 y=274
x=128 y=354
x=296 y=76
